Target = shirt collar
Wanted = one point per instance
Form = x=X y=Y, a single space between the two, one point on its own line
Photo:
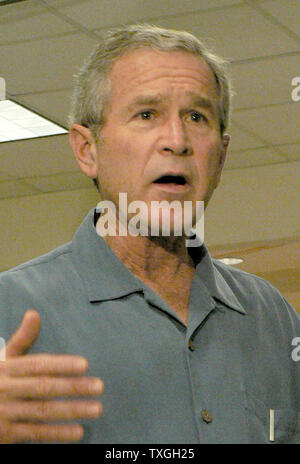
x=105 y=276
x=207 y=270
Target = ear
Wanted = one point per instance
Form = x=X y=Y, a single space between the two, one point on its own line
x=223 y=153
x=225 y=144
x=84 y=148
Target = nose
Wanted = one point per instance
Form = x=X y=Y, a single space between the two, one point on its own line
x=174 y=138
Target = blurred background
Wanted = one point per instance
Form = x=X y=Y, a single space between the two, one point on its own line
x=254 y=214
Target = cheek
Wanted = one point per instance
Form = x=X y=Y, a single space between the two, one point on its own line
x=117 y=165
x=208 y=159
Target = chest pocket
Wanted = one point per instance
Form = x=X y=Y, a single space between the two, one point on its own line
x=286 y=428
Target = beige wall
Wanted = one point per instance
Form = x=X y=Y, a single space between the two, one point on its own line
x=34 y=225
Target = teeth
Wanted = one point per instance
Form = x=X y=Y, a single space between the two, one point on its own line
x=171 y=179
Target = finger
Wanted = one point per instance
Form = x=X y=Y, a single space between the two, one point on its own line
x=49 y=387
x=25 y=335
x=45 y=411
x=46 y=365
x=40 y=433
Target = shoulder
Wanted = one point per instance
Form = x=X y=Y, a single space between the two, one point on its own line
x=41 y=264
x=43 y=283
x=37 y=275
x=256 y=295
x=242 y=280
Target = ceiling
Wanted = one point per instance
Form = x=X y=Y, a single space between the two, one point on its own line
x=42 y=44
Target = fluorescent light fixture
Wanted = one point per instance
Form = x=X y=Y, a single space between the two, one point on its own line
x=18 y=122
x=231 y=261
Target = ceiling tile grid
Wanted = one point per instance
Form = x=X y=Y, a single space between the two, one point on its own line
x=286 y=12
x=60 y=182
x=42 y=44
x=275 y=124
x=37 y=157
x=46 y=64
x=98 y=15
x=237 y=32
x=31 y=27
x=266 y=82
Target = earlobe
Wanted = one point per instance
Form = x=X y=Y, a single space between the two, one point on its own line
x=225 y=140
x=223 y=153
x=225 y=144
x=84 y=149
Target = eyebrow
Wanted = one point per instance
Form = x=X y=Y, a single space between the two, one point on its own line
x=145 y=100
x=202 y=102
x=148 y=100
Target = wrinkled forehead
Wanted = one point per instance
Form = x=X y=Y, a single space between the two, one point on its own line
x=146 y=67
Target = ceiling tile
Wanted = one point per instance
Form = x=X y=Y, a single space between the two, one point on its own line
x=97 y=15
x=252 y=157
x=264 y=82
x=16 y=189
x=287 y=12
x=59 y=182
x=294 y=299
x=240 y=139
x=54 y=105
x=259 y=203
x=4 y=177
x=28 y=28
x=238 y=32
x=37 y=157
x=264 y=256
x=59 y=3
x=291 y=151
x=46 y=64
x=18 y=10
x=284 y=279
x=275 y=124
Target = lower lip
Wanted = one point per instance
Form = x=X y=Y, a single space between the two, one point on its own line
x=172 y=187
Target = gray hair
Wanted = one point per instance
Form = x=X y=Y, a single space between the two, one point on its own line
x=92 y=84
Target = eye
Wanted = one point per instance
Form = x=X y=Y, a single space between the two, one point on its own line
x=145 y=115
x=197 y=117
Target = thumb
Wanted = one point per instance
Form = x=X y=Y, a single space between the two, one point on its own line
x=25 y=335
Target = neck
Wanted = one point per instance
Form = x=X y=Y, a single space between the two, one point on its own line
x=163 y=263
x=150 y=258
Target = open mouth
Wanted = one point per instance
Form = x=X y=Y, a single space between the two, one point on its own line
x=169 y=179
x=172 y=183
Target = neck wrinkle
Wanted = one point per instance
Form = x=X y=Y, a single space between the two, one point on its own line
x=150 y=258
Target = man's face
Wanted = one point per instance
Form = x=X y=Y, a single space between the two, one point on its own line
x=161 y=137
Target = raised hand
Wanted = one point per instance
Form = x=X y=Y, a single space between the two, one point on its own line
x=30 y=386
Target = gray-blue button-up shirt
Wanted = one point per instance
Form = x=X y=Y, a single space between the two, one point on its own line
x=212 y=381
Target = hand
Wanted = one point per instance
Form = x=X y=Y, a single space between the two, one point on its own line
x=31 y=384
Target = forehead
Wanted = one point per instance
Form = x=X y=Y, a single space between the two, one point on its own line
x=142 y=69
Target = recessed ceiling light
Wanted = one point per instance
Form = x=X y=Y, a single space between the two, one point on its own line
x=18 y=122
x=231 y=261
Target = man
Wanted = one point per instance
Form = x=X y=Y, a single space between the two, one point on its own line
x=189 y=350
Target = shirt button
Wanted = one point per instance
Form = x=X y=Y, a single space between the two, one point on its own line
x=191 y=345
x=206 y=416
